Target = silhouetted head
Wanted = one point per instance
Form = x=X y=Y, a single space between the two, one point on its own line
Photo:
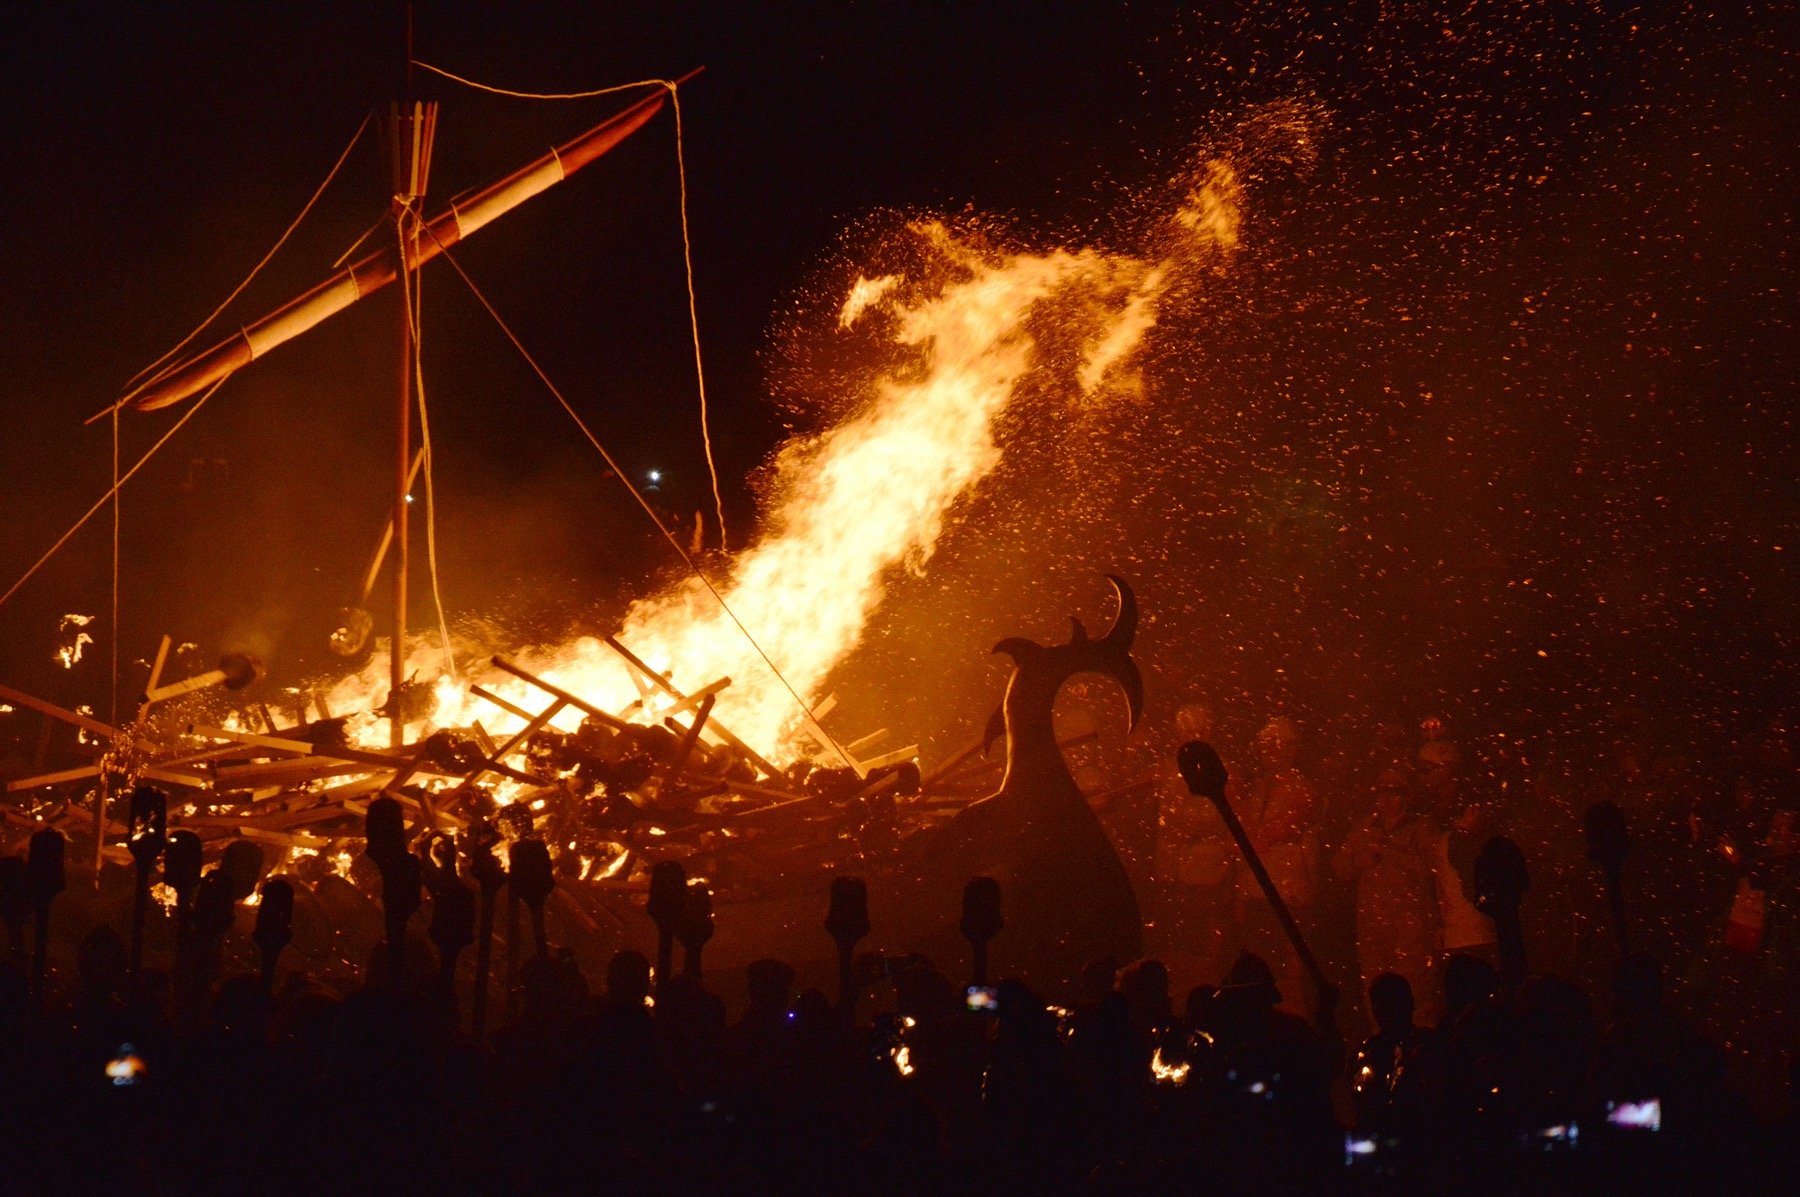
x=1279 y=741
x=102 y=964
x=1639 y=982
x=1194 y=721
x=1438 y=761
x=1392 y=796
x=1021 y=1014
x=1467 y=980
x=687 y=1000
x=243 y=1006
x=813 y=1014
x=922 y=992
x=771 y=983
x=1250 y=982
x=627 y=978
x=1097 y=978
x=1391 y=1002
x=553 y=985
x=1145 y=987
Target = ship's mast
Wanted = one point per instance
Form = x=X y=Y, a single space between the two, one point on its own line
x=411 y=125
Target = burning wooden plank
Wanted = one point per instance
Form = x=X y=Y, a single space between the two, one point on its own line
x=510 y=708
x=84 y=772
x=235 y=671
x=290 y=772
x=910 y=752
x=51 y=779
x=251 y=739
x=84 y=722
x=718 y=729
x=688 y=741
x=581 y=704
x=694 y=699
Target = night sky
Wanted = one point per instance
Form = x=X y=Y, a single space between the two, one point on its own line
x=1493 y=414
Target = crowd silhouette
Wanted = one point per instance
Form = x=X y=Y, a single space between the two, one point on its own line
x=916 y=1075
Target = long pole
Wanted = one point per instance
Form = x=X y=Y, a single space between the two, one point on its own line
x=409 y=145
x=406 y=224
x=1194 y=757
x=402 y=146
x=461 y=218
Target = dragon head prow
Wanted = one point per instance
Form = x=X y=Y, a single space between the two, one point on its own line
x=1040 y=670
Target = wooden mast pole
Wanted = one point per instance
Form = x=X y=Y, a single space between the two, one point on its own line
x=411 y=125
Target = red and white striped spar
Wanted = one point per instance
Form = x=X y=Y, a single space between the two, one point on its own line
x=193 y=374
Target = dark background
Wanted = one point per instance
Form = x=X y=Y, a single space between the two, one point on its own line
x=1492 y=416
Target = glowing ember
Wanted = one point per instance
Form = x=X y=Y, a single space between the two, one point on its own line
x=73 y=639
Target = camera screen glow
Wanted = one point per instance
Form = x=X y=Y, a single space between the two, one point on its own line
x=1641 y=1115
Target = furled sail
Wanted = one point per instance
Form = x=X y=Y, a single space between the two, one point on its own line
x=193 y=374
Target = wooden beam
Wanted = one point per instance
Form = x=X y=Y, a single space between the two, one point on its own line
x=84 y=722
x=555 y=691
x=718 y=729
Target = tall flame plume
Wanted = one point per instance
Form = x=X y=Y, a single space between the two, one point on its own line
x=873 y=493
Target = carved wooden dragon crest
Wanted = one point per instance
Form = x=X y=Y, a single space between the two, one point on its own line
x=1068 y=898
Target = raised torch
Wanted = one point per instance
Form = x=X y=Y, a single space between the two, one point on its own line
x=194 y=374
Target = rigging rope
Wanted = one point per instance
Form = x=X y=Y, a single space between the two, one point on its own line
x=112 y=699
x=413 y=283
x=257 y=269
x=674 y=541
x=687 y=249
x=118 y=480
x=116 y=487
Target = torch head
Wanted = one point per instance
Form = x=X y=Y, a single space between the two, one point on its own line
x=697 y=916
x=1202 y=770
x=240 y=669
x=242 y=866
x=668 y=894
x=275 y=915
x=149 y=824
x=384 y=828
x=181 y=862
x=532 y=876
x=981 y=917
x=44 y=865
x=848 y=918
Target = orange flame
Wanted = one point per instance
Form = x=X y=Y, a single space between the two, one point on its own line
x=874 y=492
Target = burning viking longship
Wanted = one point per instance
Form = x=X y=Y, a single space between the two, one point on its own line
x=693 y=735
